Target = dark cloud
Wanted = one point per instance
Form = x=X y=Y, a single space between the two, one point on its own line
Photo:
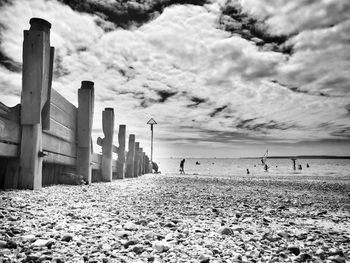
x=235 y=21
x=254 y=125
x=9 y=63
x=217 y=111
x=299 y=90
x=196 y=101
x=164 y=95
x=126 y=14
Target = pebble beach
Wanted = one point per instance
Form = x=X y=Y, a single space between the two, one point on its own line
x=179 y=218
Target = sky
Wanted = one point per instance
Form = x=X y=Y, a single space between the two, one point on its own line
x=221 y=78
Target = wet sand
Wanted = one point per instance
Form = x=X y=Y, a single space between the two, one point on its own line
x=173 y=218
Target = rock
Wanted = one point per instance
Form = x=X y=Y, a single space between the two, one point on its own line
x=5 y=251
x=67 y=237
x=304 y=257
x=40 y=243
x=28 y=237
x=131 y=226
x=161 y=246
x=203 y=258
x=138 y=249
x=339 y=259
x=3 y=244
x=130 y=243
x=11 y=244
x=123 y=233
x=150 y=235
x=294 y=249
x=226 y=231
x=170 y=224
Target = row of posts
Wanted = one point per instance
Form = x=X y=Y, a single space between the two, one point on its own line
x=38 y=57
x=132 y=163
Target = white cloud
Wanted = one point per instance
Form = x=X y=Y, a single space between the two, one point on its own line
x=185 y=53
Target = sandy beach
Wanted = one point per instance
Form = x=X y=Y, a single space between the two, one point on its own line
x=173 y=218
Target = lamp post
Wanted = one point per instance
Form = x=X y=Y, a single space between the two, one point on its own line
x=152 y=122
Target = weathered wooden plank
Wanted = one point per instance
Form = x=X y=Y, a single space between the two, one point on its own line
x=84 y=129
x=59 y=159
x=56 y=145
x=35 y=84
x=10 y=131
x=67 y=118
x=107 y=144
x=61 y=102
x=62 y=132
x=96 y=161
x=9 y=150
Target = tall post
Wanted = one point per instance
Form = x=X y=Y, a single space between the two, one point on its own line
x=141 y=160
x=84 y=129
x=35 y=90
x=152 y=143
x=137 y=159
x=121 y=152
x=130 y=157
x=151 y=122
x=107 y=144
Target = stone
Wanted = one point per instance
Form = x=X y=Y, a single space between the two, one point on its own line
x=339 y=259
x=294 y=249
x=40 y=243
x=203 y=258
x=226 y=231
x=138 y=249
x=131 y=226
x=3 y=244
x=29 y=237
x=67 y=237
x=11 y=244
x=161 y=246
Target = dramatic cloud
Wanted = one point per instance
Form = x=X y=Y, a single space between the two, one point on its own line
x=210 y=72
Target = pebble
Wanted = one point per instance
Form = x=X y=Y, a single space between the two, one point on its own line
x=67 y=237
x=226 y=231
x=161 y=246
x=294 y=249
x=3 y=244
x=40 y=243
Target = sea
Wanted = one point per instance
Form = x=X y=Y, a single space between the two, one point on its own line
x=338 y=169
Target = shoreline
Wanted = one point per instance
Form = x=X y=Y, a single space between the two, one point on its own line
x=173 y=218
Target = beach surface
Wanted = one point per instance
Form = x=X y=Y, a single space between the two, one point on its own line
x=173 y=218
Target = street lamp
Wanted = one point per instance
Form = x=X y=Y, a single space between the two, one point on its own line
x=152 y=122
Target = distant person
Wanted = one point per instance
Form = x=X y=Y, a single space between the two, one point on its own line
x=266 y=168
x=198 y=163
x=307 y=165
x=300 y=167
x=155 y=167
x=182 y=164
x=248 y=171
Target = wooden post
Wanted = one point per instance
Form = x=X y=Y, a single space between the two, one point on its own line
x=35 y=86
x=107 y=144
x=146 y=163
x=141 y=161
x=130 y=157
x=136 y=159
x=84 y=128
x=121 y=152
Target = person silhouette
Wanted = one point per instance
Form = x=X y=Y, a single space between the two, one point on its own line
x=182 y=164
x=248 y=171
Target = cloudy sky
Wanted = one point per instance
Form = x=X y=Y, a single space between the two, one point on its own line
x=221 y=78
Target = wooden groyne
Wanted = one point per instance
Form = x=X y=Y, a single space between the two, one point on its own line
x=47 y=140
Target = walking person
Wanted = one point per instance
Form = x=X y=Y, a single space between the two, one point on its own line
x=182 y=163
